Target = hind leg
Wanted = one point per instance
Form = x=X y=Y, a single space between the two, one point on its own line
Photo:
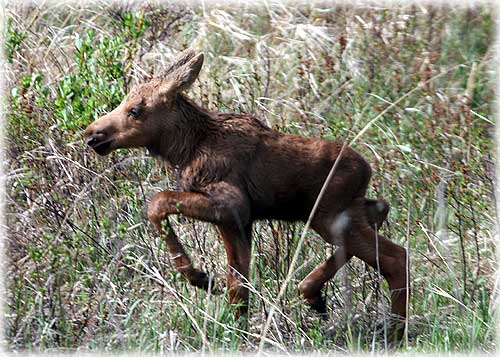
x=313 y=283
x=376 y=212
x=387 y=257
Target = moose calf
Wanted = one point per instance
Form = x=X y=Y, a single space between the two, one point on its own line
x=235 y=170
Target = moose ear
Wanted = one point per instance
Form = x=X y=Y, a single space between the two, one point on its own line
x=180 y=60
x=182 y=78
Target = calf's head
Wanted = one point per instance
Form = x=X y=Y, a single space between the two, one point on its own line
x=148 y=112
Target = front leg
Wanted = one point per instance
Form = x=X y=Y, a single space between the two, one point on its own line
x=181 y=260
x=238 y=247
x=221 y=203
x=223 y=206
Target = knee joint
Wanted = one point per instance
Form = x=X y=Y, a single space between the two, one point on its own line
x=309 y=288
x=154 y=212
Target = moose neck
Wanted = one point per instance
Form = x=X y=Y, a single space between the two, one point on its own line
x=192 y=124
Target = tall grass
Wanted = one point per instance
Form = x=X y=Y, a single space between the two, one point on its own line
x=86 y=270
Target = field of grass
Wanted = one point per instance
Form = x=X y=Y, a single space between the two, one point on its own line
x=86 y=270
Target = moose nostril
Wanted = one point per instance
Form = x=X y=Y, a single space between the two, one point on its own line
x=91 y=141
x=96 y=137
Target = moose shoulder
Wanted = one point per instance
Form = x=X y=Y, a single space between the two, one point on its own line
x=235 y=170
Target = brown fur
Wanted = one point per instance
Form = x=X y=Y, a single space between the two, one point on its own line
x=235 y=170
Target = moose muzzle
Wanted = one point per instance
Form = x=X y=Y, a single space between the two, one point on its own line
x=98 y=138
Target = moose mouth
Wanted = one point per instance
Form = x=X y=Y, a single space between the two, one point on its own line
x=103 y=148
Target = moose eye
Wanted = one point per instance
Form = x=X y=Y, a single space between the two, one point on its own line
x=134 y=113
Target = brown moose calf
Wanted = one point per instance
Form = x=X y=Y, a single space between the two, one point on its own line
x=235 y=170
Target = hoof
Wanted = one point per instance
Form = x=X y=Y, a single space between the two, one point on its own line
x=201 y=280
x=395 y=332
x=318 y=304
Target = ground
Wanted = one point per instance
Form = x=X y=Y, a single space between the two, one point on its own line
x=86 y=270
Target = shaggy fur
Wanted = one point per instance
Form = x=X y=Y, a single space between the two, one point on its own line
x=235 y=170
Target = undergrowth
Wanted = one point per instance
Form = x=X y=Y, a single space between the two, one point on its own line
x=87 y=271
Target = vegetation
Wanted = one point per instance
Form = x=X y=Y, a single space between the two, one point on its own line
x=87 y=271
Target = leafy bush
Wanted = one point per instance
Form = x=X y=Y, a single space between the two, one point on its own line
x=85 y=269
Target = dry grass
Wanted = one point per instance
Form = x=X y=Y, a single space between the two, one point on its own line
x=86 y=270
